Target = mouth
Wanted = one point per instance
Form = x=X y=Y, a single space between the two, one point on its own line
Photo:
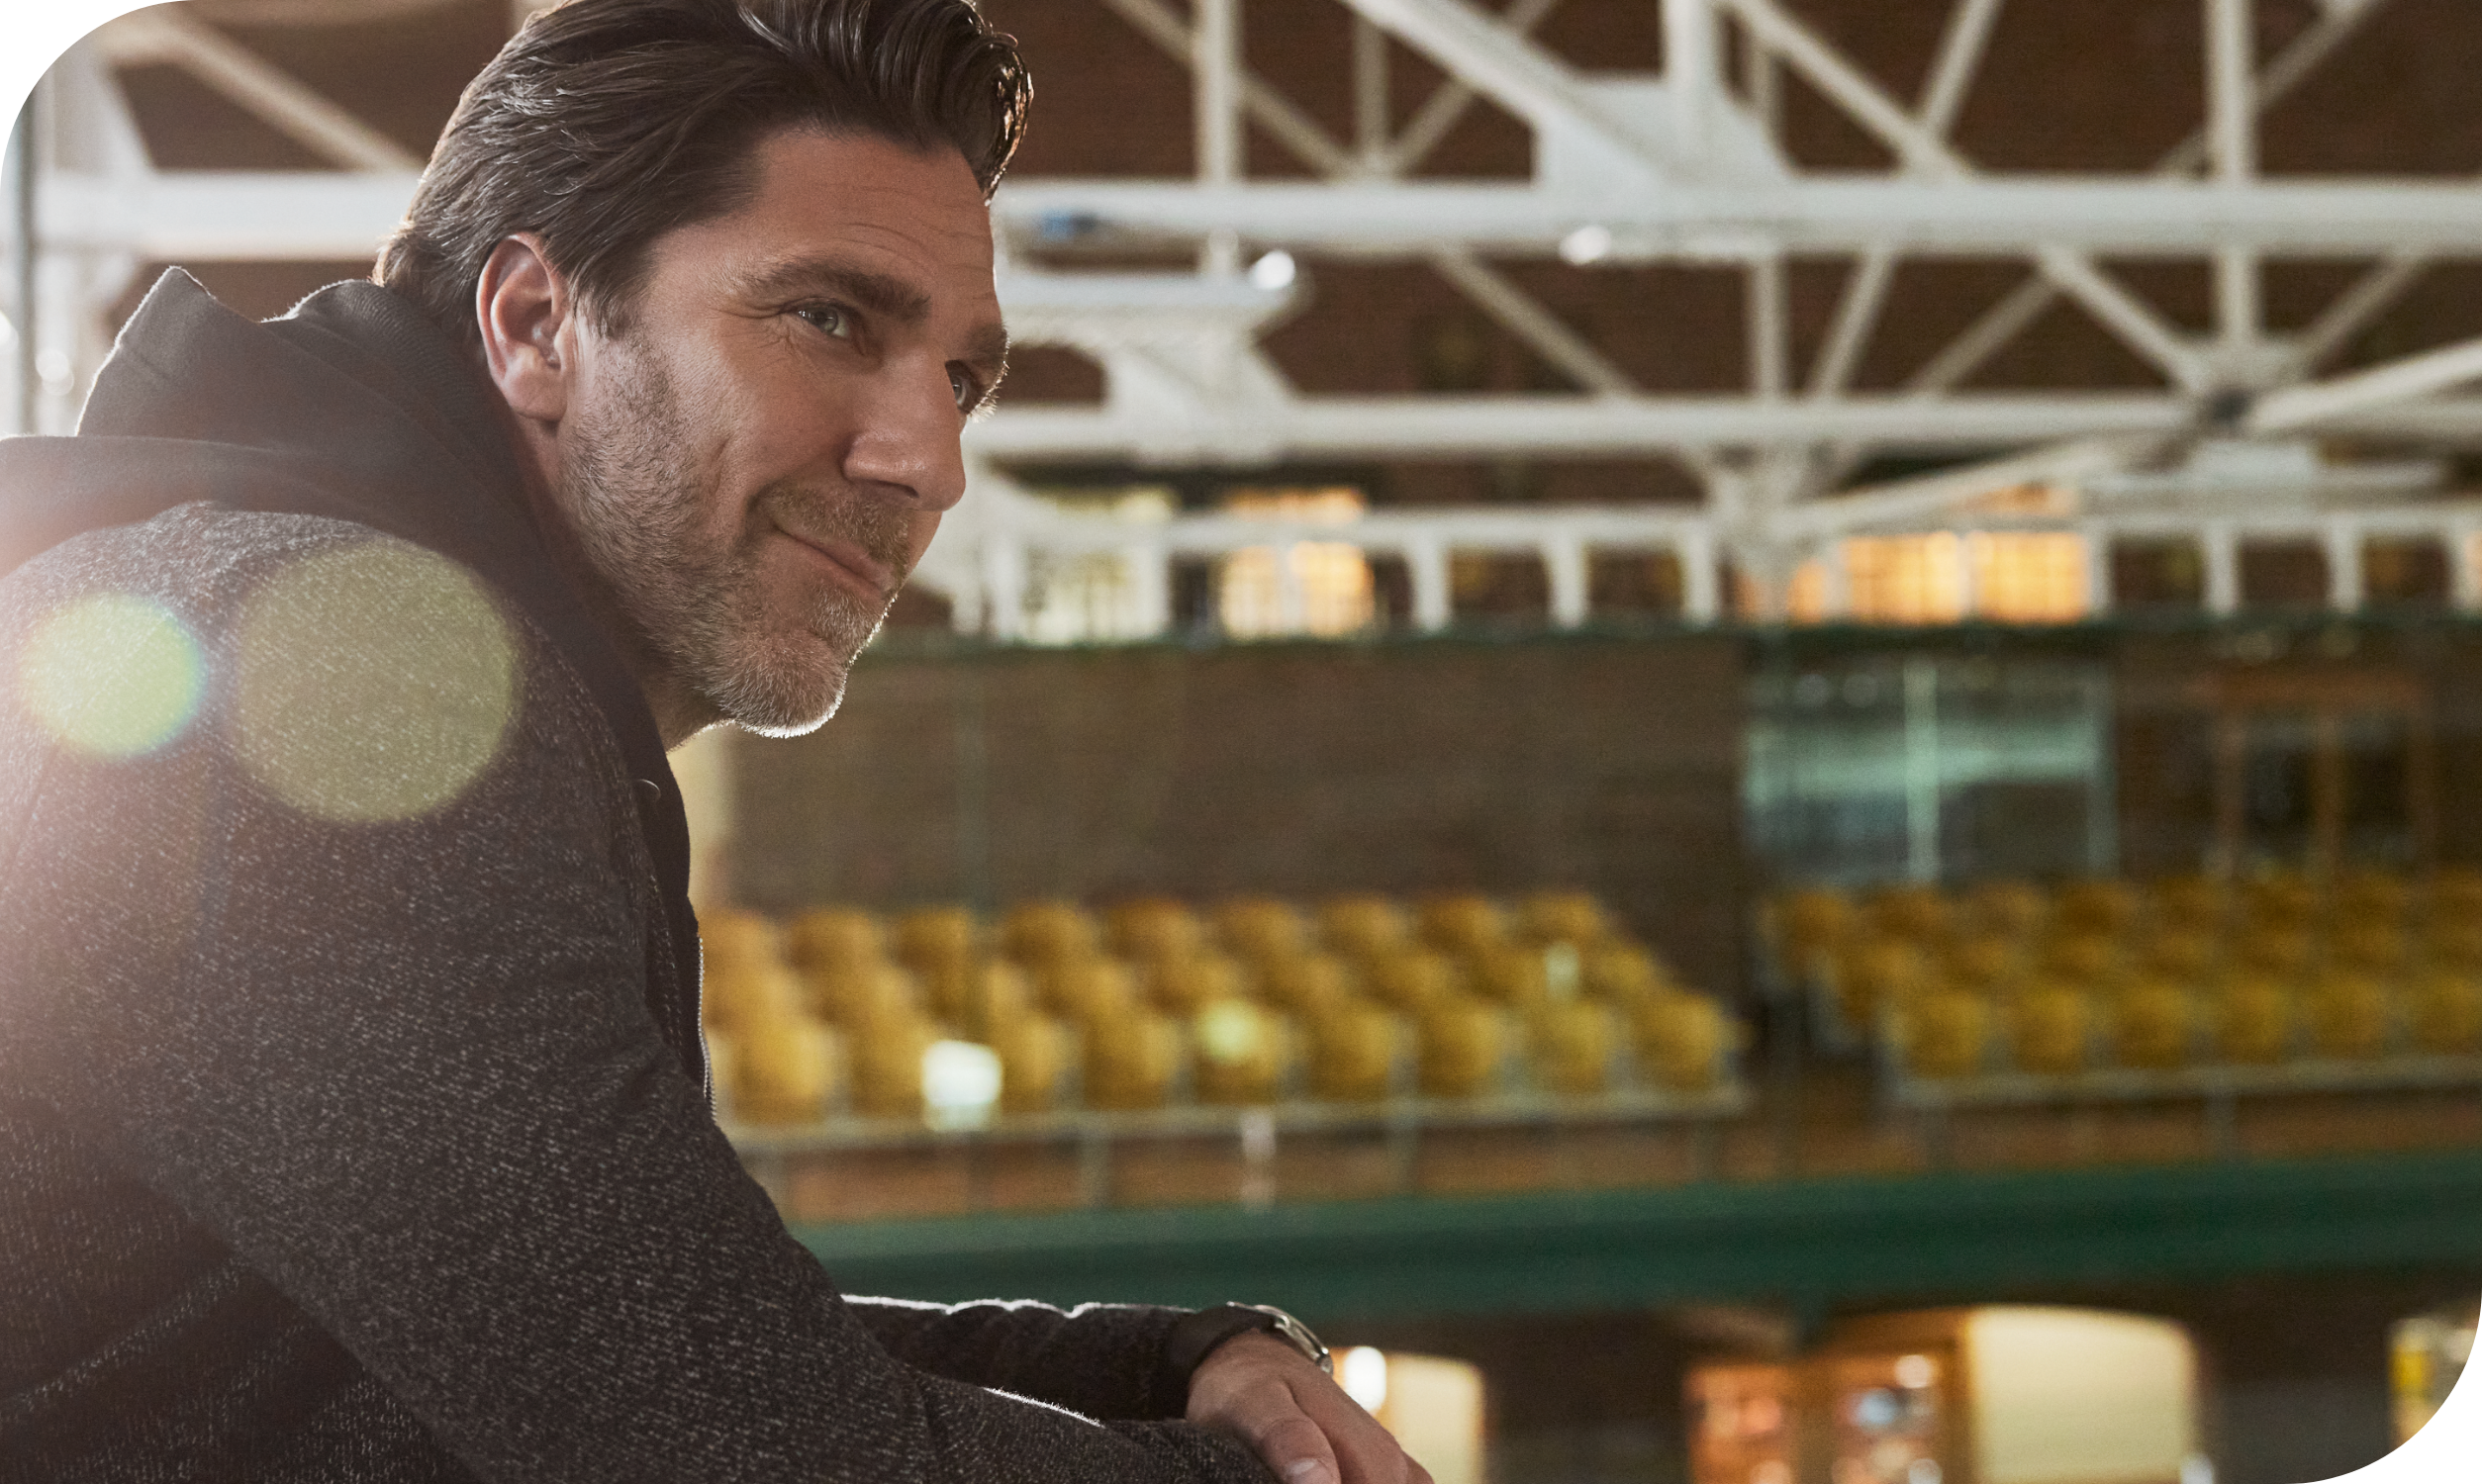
x=851 y=567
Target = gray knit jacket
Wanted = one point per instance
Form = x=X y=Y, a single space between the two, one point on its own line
x=351 y=1122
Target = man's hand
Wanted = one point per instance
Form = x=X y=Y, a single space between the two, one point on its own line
x=1266 y=1393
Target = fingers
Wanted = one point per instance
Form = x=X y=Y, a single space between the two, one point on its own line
x=1296 y=1420
x=1296 y=1448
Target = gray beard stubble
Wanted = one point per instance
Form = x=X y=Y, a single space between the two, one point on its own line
x=698 y=611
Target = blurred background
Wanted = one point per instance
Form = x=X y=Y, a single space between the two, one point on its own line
x=1743 y=731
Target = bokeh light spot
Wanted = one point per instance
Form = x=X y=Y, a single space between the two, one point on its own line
x=374 y=683
x=113 y=675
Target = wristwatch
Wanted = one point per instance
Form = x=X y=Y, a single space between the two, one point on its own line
x=1198 y=1335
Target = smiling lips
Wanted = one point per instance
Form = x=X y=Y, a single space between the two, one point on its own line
x=852 y=565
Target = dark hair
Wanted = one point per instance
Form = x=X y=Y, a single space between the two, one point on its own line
x=604 y=123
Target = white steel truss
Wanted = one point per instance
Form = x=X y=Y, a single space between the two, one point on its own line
x=1628 y=167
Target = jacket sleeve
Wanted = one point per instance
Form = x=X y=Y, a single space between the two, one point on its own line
x=1106 y=1360
x=342 y=954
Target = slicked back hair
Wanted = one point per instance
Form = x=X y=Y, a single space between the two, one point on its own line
x=605 y=123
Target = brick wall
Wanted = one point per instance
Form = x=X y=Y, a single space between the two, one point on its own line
x=1298 y=770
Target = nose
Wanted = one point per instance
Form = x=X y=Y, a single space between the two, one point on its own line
x=909 y=436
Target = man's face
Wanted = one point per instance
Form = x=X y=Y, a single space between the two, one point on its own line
x=757 y=456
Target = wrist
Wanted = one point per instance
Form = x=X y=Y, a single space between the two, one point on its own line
x=1197 y=1336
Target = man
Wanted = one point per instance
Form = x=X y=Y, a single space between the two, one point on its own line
x=352 y=1110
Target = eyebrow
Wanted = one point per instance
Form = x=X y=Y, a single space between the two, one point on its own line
x=986 y=348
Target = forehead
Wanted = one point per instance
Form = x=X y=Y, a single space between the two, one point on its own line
x=866 y=202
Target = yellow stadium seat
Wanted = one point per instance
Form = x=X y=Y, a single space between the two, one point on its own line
x=2282 y=949
x=2153 y=1024
x=2374 y=945
x=1132 y=1059
x=888 y=1062
x=2051 y=1027
x=2443 y=1011
x=2453 y=940
x=1308 y=983
x=1572 y=1042
x=2187 y=954
x=2370 y=895
x=787 y=1071
x=2085 y=957
x=1623 y=971
x=1985 y=965
x=938 y=945
x=2347 y=1014
x=2097 y=904
x=1364 y=926
x=728 y=939
x=1515 y=975
x=1036 y=1055
x=1183 y=985
x=2191 y=903
x=1946 y=1033
x=2456 y=891
x=1876 y=971
x=741 y=995
x=1808 y=923
x=1410 y=980
x=1150 y=929
x=2007 y=909
x=2279 y=897
x=2253 y=1019
x=1682 y=1040
x=1462 y=1042
x=834 y=941
x=1463 y=922
x=1908 y=912
x=1040 y=934
x=1262 y=927
x=1087 y=989
x=1571 y=917
x=872 y=992
x=1353 y=1048
x=1242 y=1051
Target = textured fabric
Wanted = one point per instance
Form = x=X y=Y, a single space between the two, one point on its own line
x=345 y=1127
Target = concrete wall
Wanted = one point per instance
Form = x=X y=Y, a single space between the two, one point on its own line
x=1294 y=770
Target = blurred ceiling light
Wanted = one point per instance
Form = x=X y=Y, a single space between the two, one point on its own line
x=1586 y=245
x=960 y=1084
x=1362 y=1373
x=1273 y=272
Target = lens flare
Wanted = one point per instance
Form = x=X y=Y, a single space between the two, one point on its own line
x=113 y=675
x=374 y=683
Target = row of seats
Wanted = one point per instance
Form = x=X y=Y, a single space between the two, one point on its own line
x=1153 y=1001
x=2144 y=973
x=2057 y=1028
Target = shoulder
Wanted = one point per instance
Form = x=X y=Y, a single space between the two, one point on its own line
x=354 y=674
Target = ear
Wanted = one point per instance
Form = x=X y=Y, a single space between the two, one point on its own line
x=527 y=319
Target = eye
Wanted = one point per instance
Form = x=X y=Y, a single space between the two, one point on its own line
x=962 y=386
x=829 y=319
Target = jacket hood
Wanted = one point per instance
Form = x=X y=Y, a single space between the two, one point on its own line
x=356 y=407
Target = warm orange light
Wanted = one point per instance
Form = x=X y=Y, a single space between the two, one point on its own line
x=1306 y=588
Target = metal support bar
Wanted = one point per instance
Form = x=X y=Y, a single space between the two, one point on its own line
x=1691 y=74
x=1448 y=102
x=2402 y=380
x=2232 y=114
x=2220 y=546
x=1766 y=326
x=1426 y=565
x=2341 y=543
x=1563 y=562
x=1542 y=332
